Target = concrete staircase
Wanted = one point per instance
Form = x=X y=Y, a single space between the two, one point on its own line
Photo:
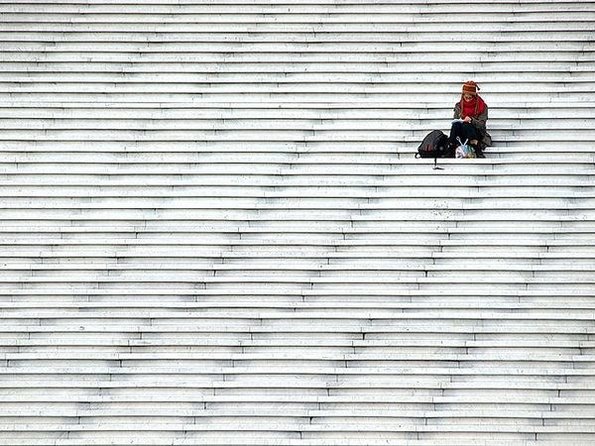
x=214 y=231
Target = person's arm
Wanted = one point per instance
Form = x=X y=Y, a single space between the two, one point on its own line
x=457 y=111
x=480 y=121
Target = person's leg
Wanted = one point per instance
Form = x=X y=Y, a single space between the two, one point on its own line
x=473 y=136
x=456 y=131
x=465 y=132
x=469 y=133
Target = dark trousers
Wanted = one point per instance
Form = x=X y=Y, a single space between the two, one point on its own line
x=464 y=131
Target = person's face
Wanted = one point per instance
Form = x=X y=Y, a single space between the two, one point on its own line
x=467 y=97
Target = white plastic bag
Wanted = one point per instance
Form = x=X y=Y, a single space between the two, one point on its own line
x=464 y=150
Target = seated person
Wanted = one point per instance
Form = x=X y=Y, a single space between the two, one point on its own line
x=471 y=113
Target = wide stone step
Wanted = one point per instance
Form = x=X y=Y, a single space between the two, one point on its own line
x=555 y=229
x=287 y=125
x=282 y=174
x=263 y=93
x=295 y=303
x=289 y=7
x=308 y=277
x=398 y=150
x=545 y=55
x=429 y=191
x=282 y=425
x=379 y=78
x=560 y=31
x=383 y=266
x=286 y=110
x=173 y=345
x=463 y=229
x=484 y=177
x=306 y=203
x=160 y=359
x=161 y=414
x=251 y=374
x=481 y=324
x=232 y=440
x=258 y=15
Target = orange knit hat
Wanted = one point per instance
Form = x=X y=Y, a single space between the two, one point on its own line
x=470 y=87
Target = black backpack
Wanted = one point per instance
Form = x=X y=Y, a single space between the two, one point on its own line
x=434 y=145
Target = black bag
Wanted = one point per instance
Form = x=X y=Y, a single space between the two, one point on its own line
x=434 y=145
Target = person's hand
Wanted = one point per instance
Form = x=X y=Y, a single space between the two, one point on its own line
x=467 y=119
